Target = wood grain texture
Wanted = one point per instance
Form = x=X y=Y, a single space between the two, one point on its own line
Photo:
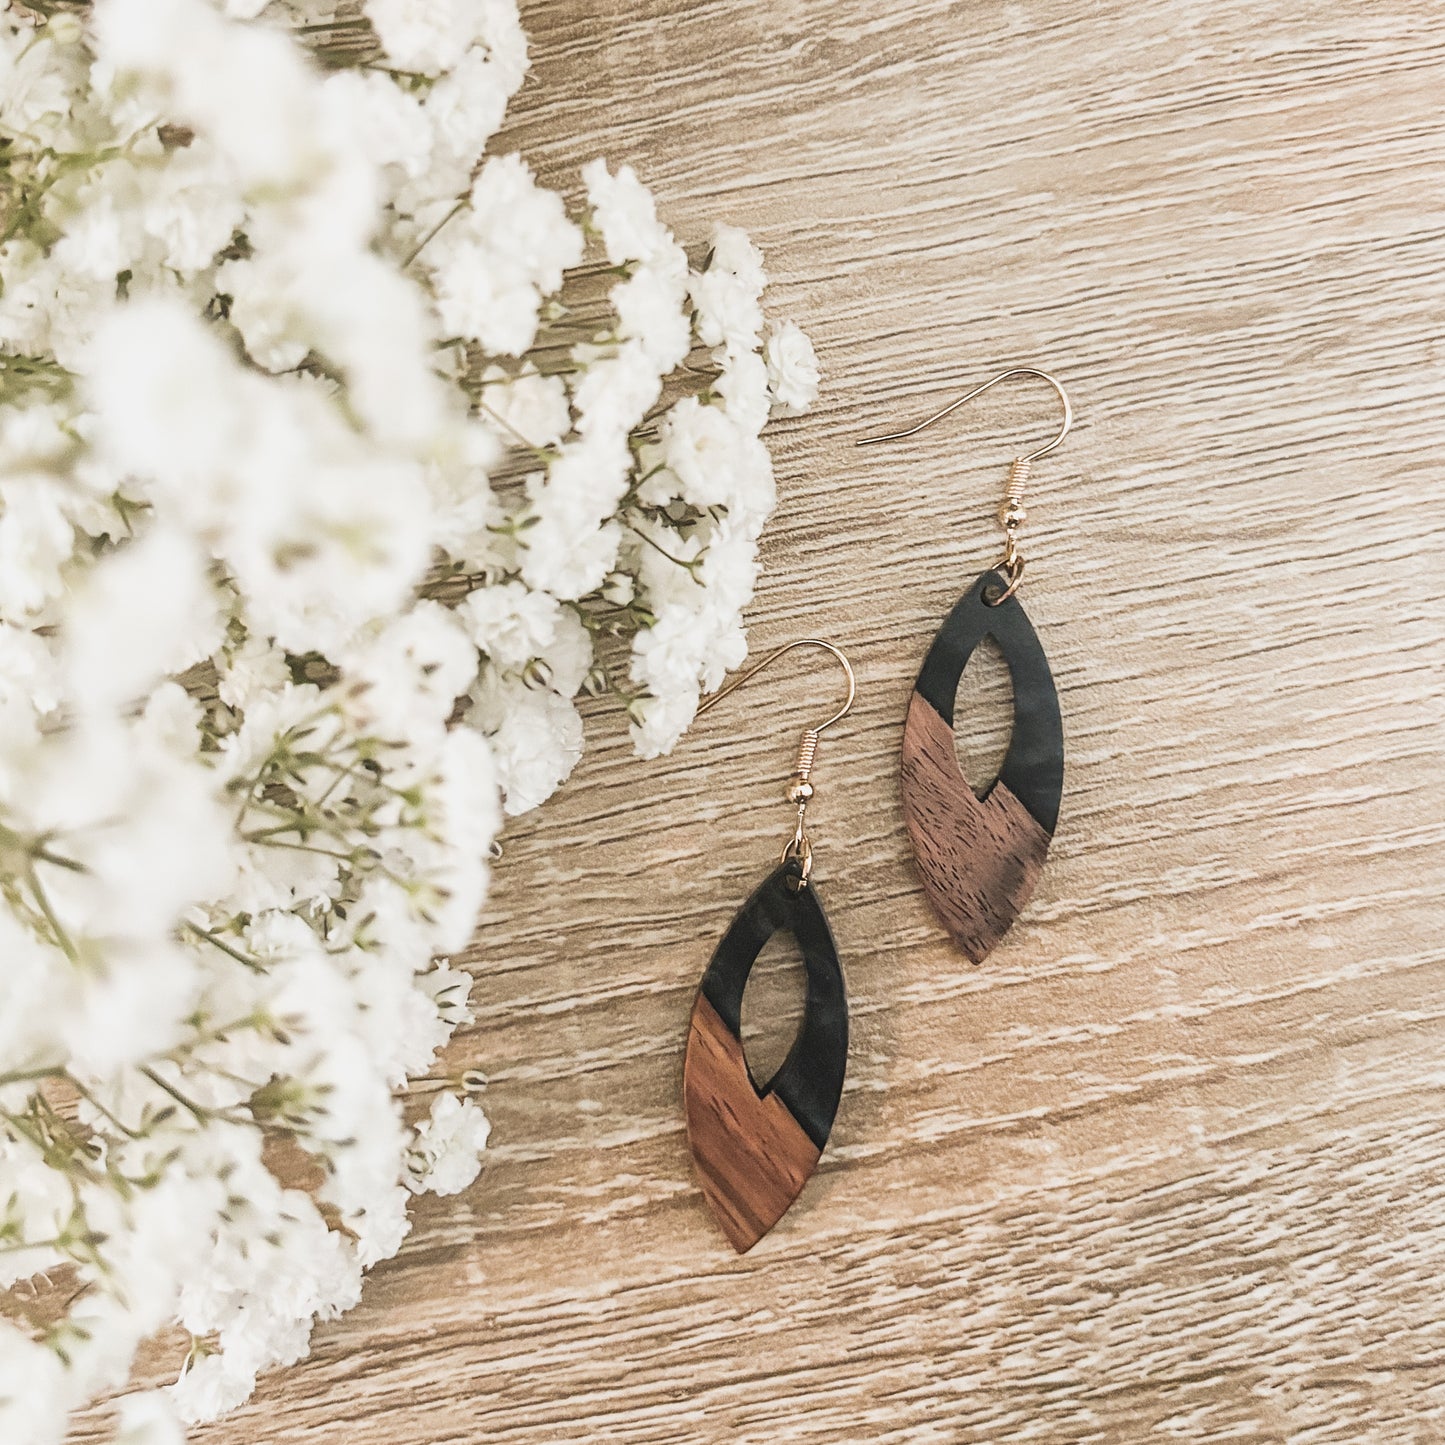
x=751 y=1154
x=1171 y=1164
x=979 y=859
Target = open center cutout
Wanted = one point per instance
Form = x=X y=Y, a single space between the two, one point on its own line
x=983 y=716
x=772 y=1009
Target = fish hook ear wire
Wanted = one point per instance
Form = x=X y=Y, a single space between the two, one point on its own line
x=1011 y=513
x=800 y=786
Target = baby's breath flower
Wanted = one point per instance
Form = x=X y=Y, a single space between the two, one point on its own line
x=449 y=1145
x=327 y=482
x=792 y=369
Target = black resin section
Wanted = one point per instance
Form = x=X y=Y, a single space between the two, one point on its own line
x=810 y=1080
x=1033 y=768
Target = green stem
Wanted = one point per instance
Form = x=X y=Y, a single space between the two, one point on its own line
x=44 y=855
x=217 y=942
x=29 y=1076
x=431 y=235
x=199 y=1111
x=97 y=1105
x=42 y=901
x=541 y=453
x=689 y=567
x=56 y=1243
x=342 y=774
x=297 y=847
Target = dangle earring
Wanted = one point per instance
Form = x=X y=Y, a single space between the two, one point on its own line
x=980 y=857
x=755 y=1147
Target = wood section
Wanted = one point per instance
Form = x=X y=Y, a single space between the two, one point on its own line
x=752 y=1156
x=1171 y=1167
x=979 y=858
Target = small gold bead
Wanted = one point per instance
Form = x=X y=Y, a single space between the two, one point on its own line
x=799 y=791
x=1013 y=515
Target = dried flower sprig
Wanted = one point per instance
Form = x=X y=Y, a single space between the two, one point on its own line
x=336 y=459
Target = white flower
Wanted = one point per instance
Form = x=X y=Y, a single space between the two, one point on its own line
x=210 y=1386
x=589 y=477
x=407 y=673
x=171 y=722
x=38 y=1205
x=40 y=72
x=624 y=211
x=465 y=107
x=567 y=554
x=251 y=670
x=388 y=120
x=743 y=387
x=245 y=87
x=65 y=28
x=263 y=310
x=649 y=307
x=171 y=407
x=792 y=369
x=428 y=35
x=146 y=610
x=105 y=233
x=449 y=1145
x=190 y=203
x=149 y=1419
x=611 y=400
x=734 y=253
x=462 y=813
x=726 y=293
x=536 y=739
x=567 y=658
x=619 y=589
x=33 y=1396
x=292 y=713
x=380 y=1226
x=530 y=409
x=450 y=989
x=36 y=539
x=511 y=624
x=464 y=508
x=716 y=462
x=494 y=262
x=663 y=720
x=570 y=547
x=35 y=436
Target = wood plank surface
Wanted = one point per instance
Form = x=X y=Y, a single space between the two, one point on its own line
x=1170 y=1165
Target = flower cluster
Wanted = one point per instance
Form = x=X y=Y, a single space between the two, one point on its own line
x=338 y=456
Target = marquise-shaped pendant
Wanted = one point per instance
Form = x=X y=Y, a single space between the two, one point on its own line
x=755 y=1147
x=980 y=857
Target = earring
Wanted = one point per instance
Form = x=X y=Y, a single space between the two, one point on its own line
x=755 y=1148
x=980 y=857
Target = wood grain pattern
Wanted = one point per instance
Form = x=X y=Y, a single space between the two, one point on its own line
x=979 y=859
x=1171 y=1164
x=752 y=1156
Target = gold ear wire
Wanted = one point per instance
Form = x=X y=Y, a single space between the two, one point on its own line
x=800 y=787
x=1011 y=513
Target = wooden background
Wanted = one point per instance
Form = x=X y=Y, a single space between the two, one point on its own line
x=1171 y=1164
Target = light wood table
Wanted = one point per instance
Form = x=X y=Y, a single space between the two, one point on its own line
x=1171 y=1164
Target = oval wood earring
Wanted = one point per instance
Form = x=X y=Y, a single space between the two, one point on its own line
x=980 y=856
x=755 y=1147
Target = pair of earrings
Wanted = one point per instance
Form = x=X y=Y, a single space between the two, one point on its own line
x=979 y=858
